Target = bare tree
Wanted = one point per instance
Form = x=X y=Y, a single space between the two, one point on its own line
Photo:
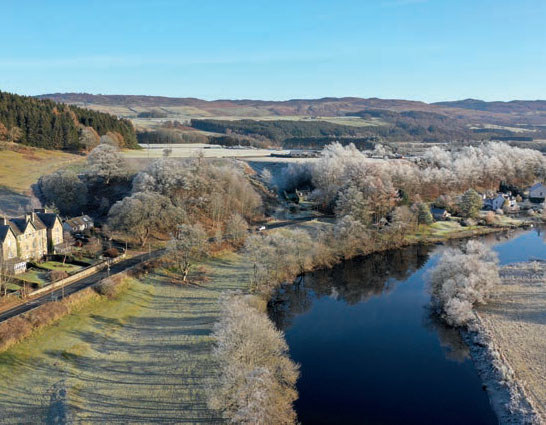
x=188 y=245
x=236 y=229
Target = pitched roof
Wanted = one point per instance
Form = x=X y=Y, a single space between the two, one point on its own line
x=48 y=219
x=79 y=221
x=536 y=186
x=18 y=225
x=437 y=210
x=4 y=230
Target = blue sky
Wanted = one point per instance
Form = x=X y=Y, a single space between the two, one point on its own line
x=415 y=49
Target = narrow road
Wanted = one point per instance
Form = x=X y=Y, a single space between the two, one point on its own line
x=293 y=221
x=77 y=285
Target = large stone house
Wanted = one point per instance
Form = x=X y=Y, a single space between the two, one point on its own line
x=30 y=237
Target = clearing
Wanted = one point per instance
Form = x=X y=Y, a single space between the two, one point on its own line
x=143 y=357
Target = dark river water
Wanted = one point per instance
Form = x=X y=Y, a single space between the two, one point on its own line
x=371 y=352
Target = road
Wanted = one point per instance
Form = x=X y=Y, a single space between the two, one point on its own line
x=116 y=268
x=293 y=221
x=77 y=285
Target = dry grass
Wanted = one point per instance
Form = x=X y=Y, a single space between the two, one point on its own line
x=143 y=357
x=516 y=319
x=19 y=170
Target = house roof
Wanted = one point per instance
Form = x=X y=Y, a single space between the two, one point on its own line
x=83 y=220
x=4 y=230
x=438 y=210
x=536 y=186
x=48 y=219
x=19 y=225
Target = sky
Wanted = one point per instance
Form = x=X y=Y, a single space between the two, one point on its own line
x=428 y=50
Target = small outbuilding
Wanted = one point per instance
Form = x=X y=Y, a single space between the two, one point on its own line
x=78 y=224
x=439 y=214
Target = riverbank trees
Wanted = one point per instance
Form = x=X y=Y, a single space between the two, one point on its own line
x=463 y=278
x=257 y=378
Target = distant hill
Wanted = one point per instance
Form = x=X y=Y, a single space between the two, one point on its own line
x=514 y=106
x=383 y=119
x=50 y=125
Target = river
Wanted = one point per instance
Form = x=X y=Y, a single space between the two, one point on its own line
x=371 y=352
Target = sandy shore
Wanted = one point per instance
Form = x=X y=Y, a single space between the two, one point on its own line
x=509 y=345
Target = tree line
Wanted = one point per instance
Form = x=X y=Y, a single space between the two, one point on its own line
x=50 y=125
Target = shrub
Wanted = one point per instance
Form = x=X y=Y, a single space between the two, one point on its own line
x=56 y=275
x=111 y=253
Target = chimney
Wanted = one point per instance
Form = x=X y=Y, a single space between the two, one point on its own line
x=3 y=221
x=31 y=216
x=40 y=210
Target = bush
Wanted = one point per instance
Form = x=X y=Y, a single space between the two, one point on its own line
x=56 y=275
x=111 y=253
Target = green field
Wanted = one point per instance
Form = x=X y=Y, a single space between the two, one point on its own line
x=141 y=358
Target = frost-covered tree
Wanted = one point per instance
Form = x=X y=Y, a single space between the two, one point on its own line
x=256 y=385
x=65 y=191
x=462 y=279
x=142 y=214
x=188 y=245
x=236 y=229
x=105 y=162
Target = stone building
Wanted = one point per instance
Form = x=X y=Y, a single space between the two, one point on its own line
x=28 y=238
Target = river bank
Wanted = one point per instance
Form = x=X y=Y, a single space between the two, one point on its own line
x=508 y=343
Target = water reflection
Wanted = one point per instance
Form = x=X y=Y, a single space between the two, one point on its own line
x=371 y=351
x=353 y=282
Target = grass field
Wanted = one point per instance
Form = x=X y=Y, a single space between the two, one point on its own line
x=141 y=358
x=19 y=170
x=22 y=168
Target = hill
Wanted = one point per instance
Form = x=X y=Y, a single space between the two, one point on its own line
x=386 y=120
x=512 y=107
x=47 y=124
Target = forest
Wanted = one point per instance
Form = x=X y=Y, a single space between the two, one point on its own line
x=50 y=125
x=386 y=126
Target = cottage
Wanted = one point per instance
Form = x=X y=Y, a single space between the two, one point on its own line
x=537 y=192
x=78 y=224
x=495 y=203
x=439 y=214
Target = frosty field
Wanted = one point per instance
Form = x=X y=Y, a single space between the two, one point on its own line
x=141 y=358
